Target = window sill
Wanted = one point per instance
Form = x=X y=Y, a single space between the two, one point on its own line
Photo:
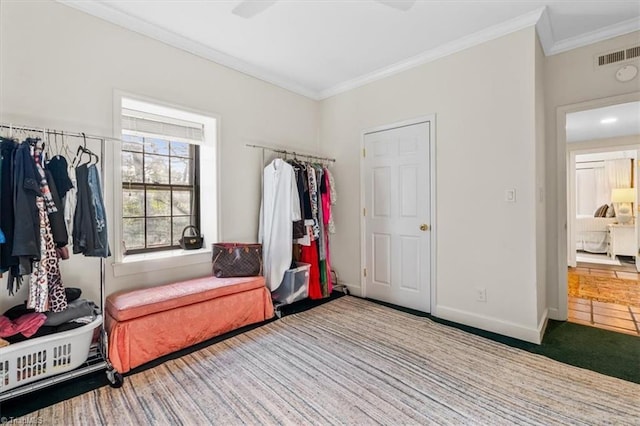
x=149 y=262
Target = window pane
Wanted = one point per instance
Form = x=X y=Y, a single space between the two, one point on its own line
x=179 y=149
x=179 y=223
x=158 y=202
x=156 y=146
x=158 y=231
x=181 y=203
x=131 y=167
x=133 y=233
x=180 y=171
x=156 y=169
x=132 y=143
x=132 y=202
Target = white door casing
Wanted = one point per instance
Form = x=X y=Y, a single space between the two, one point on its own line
x=397 y=215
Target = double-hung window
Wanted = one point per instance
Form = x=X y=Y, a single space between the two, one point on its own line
x=160 y=171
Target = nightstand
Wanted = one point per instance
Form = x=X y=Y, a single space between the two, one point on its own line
x=622 y=240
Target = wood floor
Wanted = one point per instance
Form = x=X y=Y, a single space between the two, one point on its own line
x=609 y=304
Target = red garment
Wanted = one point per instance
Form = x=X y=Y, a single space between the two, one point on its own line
x=326 y=218
x=26 y=324
x=309 y=254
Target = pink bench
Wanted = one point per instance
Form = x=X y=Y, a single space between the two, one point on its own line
x=148 y=323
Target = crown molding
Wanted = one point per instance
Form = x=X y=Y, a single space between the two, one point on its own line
x=539 y=18
x=482 y=36
x=615 y=30
x=114 y=16
x=545 y=31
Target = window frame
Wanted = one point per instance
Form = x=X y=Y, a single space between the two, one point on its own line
x=193 y=187
x=210 y=173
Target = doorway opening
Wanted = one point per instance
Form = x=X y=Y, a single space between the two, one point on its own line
x=603 y=279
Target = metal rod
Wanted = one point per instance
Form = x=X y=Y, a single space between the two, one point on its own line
x=284 y=151
x=13 y=127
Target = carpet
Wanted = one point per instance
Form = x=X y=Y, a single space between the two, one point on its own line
x=605 y=289
x=351 y=361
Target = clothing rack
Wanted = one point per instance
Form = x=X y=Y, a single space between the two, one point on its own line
x=293 y=153
x=51 y=132
x=98 y=359
x=278 y=306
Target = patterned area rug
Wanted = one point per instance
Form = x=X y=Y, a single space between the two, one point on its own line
x=351 y=361
x=605 y=289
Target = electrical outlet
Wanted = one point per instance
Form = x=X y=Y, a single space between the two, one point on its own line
x=510 y=195
x=481 y=294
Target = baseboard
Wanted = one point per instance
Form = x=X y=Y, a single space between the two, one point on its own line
x=554 y=314
x=542 y=325
x=494 y=325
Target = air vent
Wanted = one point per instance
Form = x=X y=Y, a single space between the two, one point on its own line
x=634 y=52
x=618 y=56
x=610 y=58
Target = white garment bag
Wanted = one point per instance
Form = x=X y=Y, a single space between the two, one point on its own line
x=279 y=208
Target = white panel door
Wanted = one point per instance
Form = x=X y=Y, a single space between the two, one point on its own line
x=397 y=216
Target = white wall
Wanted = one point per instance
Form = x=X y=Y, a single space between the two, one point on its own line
x=484 y=99
x=572 y=78
x=541 y=230
x=59 y=68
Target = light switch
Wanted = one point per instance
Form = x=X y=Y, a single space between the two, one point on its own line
x=510 y=195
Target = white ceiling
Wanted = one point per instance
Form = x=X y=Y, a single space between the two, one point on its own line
x=321 y=47
x=587 y=125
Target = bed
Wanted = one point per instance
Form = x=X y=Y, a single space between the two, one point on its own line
x=591 y=233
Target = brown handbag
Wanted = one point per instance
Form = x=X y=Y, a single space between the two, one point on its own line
x=236 y=260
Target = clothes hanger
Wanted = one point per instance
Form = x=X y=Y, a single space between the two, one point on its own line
x=82 y=149
x=65 y=148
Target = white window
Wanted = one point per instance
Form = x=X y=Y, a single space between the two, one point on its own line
x=165 y=180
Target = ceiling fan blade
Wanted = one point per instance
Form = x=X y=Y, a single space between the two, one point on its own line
x=403 y=5
x=250 y=8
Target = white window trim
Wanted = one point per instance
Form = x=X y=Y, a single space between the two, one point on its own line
x=209 y=210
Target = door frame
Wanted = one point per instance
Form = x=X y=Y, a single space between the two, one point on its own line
x=562 y=180
x=431 y=119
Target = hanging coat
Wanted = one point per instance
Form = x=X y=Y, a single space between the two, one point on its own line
x=280 y=208
x=26 y=240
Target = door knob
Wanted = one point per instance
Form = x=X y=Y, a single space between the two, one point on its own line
x=424 y=227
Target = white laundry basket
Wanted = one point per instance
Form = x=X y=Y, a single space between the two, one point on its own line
x=35 y=359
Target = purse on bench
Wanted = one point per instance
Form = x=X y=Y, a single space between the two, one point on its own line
x=237 y=260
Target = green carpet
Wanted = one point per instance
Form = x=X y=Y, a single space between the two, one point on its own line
x=607 y=352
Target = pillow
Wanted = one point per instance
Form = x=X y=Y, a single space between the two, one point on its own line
x=601 y=211
x=611 y=211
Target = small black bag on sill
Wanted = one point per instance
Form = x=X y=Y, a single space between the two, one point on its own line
x=193 y=241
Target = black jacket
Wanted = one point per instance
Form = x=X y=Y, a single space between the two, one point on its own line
x=26 y=236
x=58 y=225
x=7 y=151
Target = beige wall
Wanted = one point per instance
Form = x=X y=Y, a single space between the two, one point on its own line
x=572 y=78
x=59 y=68
x=484 y=101
x=541 y=231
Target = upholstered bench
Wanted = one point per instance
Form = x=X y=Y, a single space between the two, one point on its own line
x=148 y=323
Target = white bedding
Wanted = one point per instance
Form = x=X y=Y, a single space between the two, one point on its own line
x=591 y=233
